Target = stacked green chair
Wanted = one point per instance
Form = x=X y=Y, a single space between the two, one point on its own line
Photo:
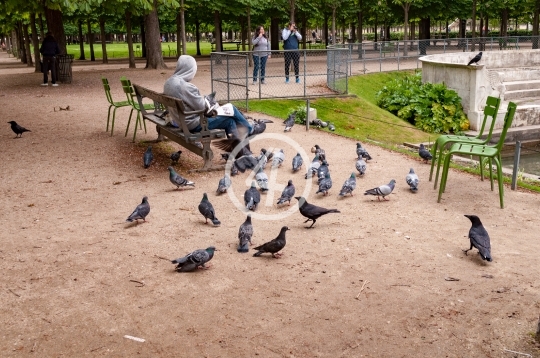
x=112 y=104
x=130 y=94
x=491 y=153
x=490 y=111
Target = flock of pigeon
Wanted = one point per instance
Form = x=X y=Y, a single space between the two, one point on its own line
x=318 y=168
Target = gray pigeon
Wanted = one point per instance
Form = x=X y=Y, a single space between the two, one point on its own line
x=382 y=190
x=259 y=126
x=252 y=197
x=262 y=180
x=207 y=210
x=194 y=260
x=361 y=166
x=289 y=122
x=262 y=159
x=412 y=180
x=348 y=186
x=424 y=153
x=318 y=150
x=273 y=246
x=279 y=157
x=287 y=193
x=175 y=157
x=178 y=180
x=17 y=129
x=140 y=212
x=313 y=167
x=325 y=185
x=312 y=212
x=297 y=162
x=361 y=152
x=322 y=171
x=224 y=184
x=148 y=157
x=245 y=232
x=331 y=126
x=479 y=238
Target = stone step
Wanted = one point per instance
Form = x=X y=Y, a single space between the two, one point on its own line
x=511 y=95
x=521 y=85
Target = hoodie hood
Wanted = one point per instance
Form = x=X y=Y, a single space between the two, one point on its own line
x=186 y=68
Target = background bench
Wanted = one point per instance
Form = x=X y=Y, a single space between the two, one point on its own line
x=180 y=135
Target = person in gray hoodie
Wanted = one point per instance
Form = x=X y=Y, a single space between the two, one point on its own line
x=179 y=86
x=261 y=53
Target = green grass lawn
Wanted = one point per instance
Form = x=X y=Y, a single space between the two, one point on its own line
x=120 y=50
x=357 y=118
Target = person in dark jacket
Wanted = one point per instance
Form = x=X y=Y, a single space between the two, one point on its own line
x=49 y=49
x=291 y=39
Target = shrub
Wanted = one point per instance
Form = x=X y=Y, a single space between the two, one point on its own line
x=300 y=115
x=431 y=107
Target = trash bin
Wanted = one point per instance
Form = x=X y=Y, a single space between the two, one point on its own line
x=63 y=69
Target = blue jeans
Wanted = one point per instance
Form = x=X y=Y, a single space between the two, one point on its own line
x=227 y=123
x=259 y=62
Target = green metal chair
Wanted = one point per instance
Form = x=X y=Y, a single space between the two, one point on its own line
x=130 y=94
x=490 y=111
x=491 y=153
x=112 y=104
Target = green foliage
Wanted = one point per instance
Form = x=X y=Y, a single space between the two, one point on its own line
x=301 y=114
x=431 y=107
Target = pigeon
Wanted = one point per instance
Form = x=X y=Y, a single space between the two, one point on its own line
x=262 y=180
x=331 y=126
x=262 y=159
x=479 y=238
x=207 y=210
x=424 y=153
x=224 y=184
x=252 y=197
x=312 y=212
x=148 y=157
x=313 y=166
x=17 y=129
x=318 y=150
x=289 y=122
x=412 y=180
x=382 y=190
x=322 y=171
x=297 y=162
x=194 y=260
x=245 y=232
x=245 y=162
x=140 y=212
x=225 y=156
x=259 y=126
x=273 y=246
x=361 y=166
x=348 y=186
x=177 y=179
x=175 y=157
x=325 y=184
x=287 y=193
x=211 y=104
x=361 y=152
x=279 y=157
x=475 y=59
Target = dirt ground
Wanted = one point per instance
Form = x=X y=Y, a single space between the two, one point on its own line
x=368 y=282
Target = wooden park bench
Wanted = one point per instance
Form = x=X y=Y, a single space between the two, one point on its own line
x=180 y=135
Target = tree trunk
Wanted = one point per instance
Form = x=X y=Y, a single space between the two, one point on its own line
x=81 y=41
x=130 y=40
x=35 y=42
x=303 y=30
x=375 y=26
x=360 y=31
x=248 y=35
x=41 y=31
x=473 y=25
x=28 y=51
x=333 y=25
x=183 y=28
x=291 y=10
x=504 y=23
x=14 y=44
x=154 y=56
x=217 y=26
x=55 y=24
x=325 y=28
x=198 y=37
x=536 y=18
x=143 y=38
x=90 y=40
x=274 y=33
x=353 y=33
x=20 y=39
x=178 y=34
x=406 y=7
x=103 y=39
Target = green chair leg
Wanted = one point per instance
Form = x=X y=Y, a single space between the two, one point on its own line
x=500 y=180
x=439 y=159
x=490 y=168
x=433 y=154
x=109 y=116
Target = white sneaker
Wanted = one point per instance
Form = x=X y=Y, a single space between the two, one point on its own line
x=55 y=84
x=44 y=84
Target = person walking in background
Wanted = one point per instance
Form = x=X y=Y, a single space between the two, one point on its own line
x=291 y=40
x=49 y=49
x=261 y=53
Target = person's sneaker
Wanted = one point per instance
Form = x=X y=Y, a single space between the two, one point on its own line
x=262 y=82
x=254 y=83
x=286 y=80
x=297 y=80
x=44 y=84
x=56 y=84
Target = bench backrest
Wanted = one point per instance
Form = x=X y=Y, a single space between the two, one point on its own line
x=167 y=102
